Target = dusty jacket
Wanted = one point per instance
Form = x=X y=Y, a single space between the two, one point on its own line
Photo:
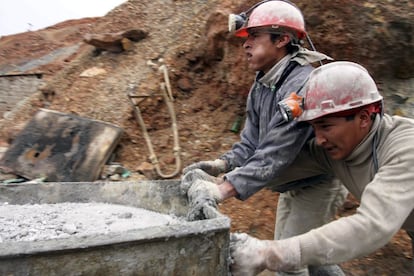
x=385 y=189
x=268 y=145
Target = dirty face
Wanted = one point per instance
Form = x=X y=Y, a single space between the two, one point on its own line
x=339 y=136
x=262 y=53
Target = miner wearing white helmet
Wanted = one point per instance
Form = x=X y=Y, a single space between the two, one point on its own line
x=370 y=152
x=274 y=33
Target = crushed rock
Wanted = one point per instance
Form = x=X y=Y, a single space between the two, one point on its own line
x=61 y=220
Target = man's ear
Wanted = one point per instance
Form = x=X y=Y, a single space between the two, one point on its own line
x=283 y=41
x=365 y=117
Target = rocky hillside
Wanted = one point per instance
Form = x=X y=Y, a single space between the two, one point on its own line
x=206 y=66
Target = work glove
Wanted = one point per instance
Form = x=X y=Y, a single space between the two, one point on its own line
x=250 y=256
x=196 y=174
x=203 y=197
x=213 y=168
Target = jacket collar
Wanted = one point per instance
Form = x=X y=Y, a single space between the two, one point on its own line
x=365 y=149
x=303 y=56
x=274 y=74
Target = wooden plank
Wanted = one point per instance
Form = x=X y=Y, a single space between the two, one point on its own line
x=61 y=147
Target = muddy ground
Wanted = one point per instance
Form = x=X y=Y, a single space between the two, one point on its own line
x=210 y=82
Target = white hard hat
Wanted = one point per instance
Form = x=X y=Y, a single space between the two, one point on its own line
x=278 y=16
x=337 y=87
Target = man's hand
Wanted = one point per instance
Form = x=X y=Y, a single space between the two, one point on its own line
x=203 y=197
x=250 y=256
x=213 y=168
x=191 y=176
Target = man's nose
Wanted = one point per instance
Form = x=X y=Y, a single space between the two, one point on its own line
x=320 y=139
x=246 y=44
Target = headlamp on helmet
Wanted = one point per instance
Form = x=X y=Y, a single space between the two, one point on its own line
x=291 y=107
x=236 y=21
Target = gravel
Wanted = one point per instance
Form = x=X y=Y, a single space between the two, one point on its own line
x=53 y=221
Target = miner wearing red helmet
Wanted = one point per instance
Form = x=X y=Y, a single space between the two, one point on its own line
x=372 y=154
x=274 y=34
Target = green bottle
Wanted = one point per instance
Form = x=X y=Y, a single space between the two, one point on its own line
x=235 y=127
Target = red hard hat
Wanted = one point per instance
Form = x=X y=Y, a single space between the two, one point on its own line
x=338 y=87
x=275 y=15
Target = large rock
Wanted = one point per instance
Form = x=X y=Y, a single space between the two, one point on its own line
x=115 y=42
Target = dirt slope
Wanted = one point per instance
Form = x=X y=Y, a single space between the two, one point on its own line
x=210 y=82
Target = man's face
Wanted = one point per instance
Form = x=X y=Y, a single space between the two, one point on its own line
x=262 y=54
x=339 y=136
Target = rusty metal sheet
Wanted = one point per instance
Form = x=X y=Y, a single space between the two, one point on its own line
x=61 y=147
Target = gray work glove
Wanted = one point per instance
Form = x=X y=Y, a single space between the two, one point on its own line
x=250 y=256
x=196 y=174
x=213 y=168
x=204 y=197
